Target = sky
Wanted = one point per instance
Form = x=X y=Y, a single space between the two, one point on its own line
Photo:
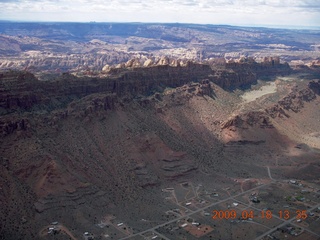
x=232 y=12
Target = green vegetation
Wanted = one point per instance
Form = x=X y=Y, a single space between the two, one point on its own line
x=289 y=198
x=300 y=198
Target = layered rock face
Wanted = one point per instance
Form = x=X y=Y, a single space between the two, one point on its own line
x=23 y=90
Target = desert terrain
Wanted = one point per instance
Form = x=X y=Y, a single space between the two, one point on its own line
x=158 y=146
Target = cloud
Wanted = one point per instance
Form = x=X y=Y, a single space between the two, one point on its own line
x=306 y=12
x=212 y=3
x=1 y=1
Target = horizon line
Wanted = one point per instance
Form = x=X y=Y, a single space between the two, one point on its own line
x=290 y=27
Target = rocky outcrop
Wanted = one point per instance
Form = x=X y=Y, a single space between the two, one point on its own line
x=232 y=79
x=268 y=67
x=315 y=86
x=249 y=119
x=8 y=126
x=91 y=104
x=148 y=63
x=106 y=68
x=163 y=61
x=181 y=95
x=21 y=90
x=294 y=101
x=276 y=111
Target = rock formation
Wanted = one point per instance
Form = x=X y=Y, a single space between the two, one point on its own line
x=246 y=120
x=294 y=101
x=315 y=86
x=130 y=80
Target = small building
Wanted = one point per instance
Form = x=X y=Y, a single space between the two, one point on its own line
x=255 y=200
x=54 y=230
x=293 y=181
x=184 y=225
x=88 y=236
x=188 y=203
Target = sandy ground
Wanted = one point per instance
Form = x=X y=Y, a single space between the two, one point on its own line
x=254 y=94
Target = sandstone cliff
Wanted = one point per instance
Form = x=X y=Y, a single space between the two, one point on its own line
x=23 y=90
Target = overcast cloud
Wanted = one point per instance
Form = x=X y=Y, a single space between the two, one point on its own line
x=236 y=12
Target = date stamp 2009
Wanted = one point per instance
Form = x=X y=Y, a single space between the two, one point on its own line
x=264 y=214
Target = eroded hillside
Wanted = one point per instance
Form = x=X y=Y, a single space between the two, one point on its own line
x=86 y=151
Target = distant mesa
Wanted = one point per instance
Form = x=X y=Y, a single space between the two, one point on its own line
x=149 y=62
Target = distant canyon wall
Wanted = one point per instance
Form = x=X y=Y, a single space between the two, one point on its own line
x=24 y=90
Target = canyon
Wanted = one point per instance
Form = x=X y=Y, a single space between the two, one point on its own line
x=150 y=145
